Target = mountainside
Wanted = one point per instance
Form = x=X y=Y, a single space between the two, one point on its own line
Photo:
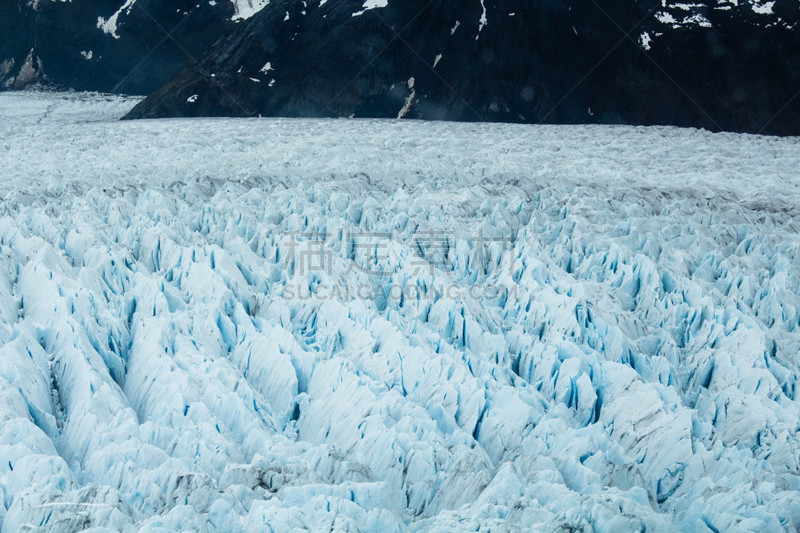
x=122 y=46
x=719 y=65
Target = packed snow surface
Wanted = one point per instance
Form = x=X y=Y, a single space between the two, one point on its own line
x=504 y=328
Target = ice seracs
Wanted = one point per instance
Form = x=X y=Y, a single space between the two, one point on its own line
x=569 y=328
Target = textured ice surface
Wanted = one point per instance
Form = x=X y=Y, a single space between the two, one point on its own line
x=635 y=367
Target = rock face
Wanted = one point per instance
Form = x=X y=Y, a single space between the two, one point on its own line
x=717 y=64
x=712 y=65
x=132 y=46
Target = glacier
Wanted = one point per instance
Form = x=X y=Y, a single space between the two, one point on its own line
x=623 y=354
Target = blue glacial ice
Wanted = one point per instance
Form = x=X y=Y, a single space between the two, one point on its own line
x=169 y=362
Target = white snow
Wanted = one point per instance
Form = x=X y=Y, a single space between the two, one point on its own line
x=244 y=9
x=682 y=14
x=409 y=99
x=407 y=104
x=666 y=18
x=645 y=40
x=482 y=21
x=763 y=9
x=371 y=4
x=110 y=26
x=602 y=333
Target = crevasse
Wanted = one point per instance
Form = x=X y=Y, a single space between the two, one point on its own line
x=633 y=367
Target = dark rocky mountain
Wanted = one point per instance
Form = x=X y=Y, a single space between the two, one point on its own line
x=131 y=47
x=720 y=65
x=717 y=64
